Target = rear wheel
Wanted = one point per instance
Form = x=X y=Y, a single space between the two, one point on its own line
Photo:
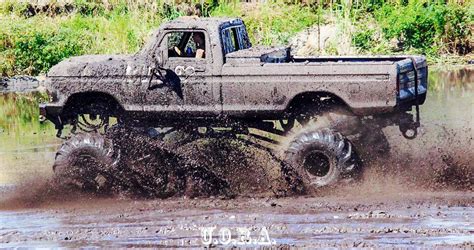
x=322 y=157
x=366 y=134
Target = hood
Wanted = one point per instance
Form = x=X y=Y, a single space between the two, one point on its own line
x=92 y=65
x=259 y=54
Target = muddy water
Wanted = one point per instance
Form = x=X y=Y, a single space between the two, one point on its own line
x=417 y=219
x=422 y=194
x=25 y=156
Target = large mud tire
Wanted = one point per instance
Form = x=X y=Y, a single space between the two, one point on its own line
x=365 y=134
x=83 y=161
x=321 y=157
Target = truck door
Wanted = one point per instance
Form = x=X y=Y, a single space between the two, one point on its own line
x=187 y=59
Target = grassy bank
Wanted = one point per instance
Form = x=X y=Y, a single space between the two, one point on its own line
x=34 y=37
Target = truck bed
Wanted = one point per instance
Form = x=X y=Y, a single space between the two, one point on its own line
x=370 y=80
x=405 y=72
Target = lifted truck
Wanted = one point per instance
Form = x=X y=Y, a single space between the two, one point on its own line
x=204 y=72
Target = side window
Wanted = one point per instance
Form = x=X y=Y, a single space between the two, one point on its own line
x=231 y=40
x=233 y=37
x=186 y=44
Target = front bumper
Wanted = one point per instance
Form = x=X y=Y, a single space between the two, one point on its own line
x=51 y=112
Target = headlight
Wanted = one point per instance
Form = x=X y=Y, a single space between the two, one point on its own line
x=53 y=96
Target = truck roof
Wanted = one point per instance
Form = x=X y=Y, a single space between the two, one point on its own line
x=189 y=22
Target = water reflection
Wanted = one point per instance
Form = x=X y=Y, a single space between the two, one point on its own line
x=444 y=81
x=450 y=97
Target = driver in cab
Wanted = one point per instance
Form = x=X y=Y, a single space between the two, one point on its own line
x=199 y=46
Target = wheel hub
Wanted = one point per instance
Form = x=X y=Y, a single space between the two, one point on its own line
x=317 y=164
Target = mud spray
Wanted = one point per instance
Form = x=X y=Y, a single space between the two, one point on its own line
x=439 y=159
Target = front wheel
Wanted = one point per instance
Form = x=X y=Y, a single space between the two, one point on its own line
x=83 y=162
x=321 y=157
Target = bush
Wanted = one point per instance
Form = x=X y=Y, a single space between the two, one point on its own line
x=28 y=48
x=428 y=27
x=33 y=38
x=363 y=40
x=33 y=45
x=37 y=52
x=457 y=36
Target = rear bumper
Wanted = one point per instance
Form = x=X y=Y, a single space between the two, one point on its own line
x=408 y=104
x=51 y=112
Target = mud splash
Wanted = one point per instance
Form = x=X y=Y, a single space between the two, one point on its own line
x=39 y=192
x=227 y=168
x=204 y=168
x=441 y=158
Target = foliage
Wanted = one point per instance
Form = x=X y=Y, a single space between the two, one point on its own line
x=32 y=45
x=35 y=50
x=427 y=27
x=33 y=37
x=272 y=23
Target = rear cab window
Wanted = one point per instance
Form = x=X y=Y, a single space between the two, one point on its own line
x=234 y=38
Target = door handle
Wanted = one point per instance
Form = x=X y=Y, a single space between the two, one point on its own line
x=199 y=68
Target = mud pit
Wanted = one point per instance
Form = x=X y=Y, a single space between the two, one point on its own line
x=417 y=218
x=419 y=195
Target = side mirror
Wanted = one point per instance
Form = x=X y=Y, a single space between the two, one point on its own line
x=159 y=58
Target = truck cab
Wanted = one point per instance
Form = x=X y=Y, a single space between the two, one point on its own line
x=189 y=53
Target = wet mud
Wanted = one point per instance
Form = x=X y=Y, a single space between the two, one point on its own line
x=374 y=219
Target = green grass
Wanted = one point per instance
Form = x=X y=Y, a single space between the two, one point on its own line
x=31 y=43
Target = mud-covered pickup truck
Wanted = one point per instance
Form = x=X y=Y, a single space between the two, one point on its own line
x=204 y=72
